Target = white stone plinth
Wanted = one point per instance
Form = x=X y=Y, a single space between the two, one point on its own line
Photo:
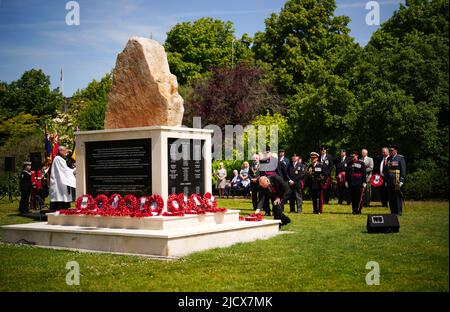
x=147 y=223
x=159 y=136
x=168 y=242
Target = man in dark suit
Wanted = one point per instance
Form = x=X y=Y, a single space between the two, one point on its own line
x=25 y=187
x=316 y=178
x=296 y=171
x=395 y=180
x=341 y=168
x=282 y=157
x=283 y=167
x=327 y=162
x=274 y=188
x=381 y=167
x=270 y=166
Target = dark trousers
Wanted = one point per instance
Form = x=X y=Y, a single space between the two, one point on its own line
x=295 y=198
x=355 y=192
x=343 y=193
x=24 y=202
x=267 y=205
x=395 y=201
x=255 y=190
x=367 y=194
x=282 y=204
x=317 y=200
x=326 y=195
x=246 y=191
x=384 y=195
x=279 y=215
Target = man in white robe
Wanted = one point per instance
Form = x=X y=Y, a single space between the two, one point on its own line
x=61 y=179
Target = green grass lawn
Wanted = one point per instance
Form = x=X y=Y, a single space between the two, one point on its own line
x=325 y=252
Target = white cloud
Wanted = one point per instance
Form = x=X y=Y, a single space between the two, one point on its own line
x=362 y=4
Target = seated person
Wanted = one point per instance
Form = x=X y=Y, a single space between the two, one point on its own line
x=234 y=185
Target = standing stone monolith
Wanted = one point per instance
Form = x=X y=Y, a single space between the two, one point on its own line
x=143 y=92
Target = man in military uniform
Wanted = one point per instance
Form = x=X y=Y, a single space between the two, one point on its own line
x=25 y=187
x=327 y=162
x=395 y=180
x=296 y=171
x=253 y=174
x=316 y=178
x=274 y=188
x=368 y=161
x=356 y=182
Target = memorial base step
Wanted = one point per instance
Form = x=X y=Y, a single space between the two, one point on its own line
x=173 y=242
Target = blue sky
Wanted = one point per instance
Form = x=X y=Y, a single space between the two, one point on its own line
x=34 y=34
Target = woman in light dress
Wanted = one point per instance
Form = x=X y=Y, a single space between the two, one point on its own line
x=245 y=180
x=221 y=175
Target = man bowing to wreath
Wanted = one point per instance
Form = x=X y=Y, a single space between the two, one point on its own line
x=61 y=179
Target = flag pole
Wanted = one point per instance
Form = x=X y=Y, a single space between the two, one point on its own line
x=62 y=82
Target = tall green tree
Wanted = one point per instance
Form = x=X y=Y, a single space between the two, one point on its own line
x=89 y=104
x=30 y=94
x=195 y=47
x=404 y=75
x=304 y=32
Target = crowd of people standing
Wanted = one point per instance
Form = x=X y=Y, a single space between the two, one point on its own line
x=280 y=180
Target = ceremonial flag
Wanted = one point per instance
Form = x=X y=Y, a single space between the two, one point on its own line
x=48 y=144
x=74 y=155
x=55 y=144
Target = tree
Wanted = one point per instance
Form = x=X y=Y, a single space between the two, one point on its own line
x=30 y=94
x=305 y=31
x=406 y=68
x=19 y=126
x=89 y=104
x=231 y=96
x=194 y=47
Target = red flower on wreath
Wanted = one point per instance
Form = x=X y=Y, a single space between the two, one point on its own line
x=115 y=201
x=115 y=205
x=101 y=201
x=211 y=204
x=175 y=206
x=210 y=200
x=85 y=205
x=129 y=203
x=156 y=204
x=195 y=205
x=254 y=217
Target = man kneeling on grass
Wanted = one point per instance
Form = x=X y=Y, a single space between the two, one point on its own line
x=273 y=187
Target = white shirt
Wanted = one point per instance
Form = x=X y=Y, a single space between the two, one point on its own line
x=382 y=166
x=60 y=178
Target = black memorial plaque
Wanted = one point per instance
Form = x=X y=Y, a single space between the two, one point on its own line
x=121 y=166
x=186 y=166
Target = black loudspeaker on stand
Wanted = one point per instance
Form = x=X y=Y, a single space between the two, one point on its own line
x=36 y=161
x=10 y=164
x=383 y=223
